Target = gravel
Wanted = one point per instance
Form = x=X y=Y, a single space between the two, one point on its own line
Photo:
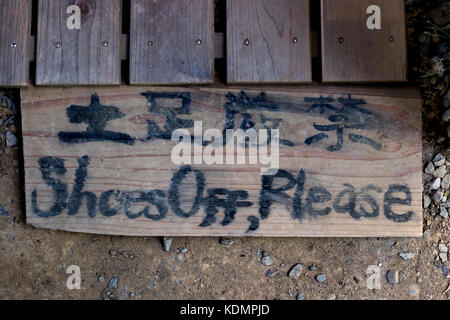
x=414 y=290
x=267 y=261
x=438 y=196
x=445 y=270
x=300 y=296
x=4 y=213
x=446 y=115
x=441 y=172
x=11 y=140
x=321 y=278
x=443 y=248
x=445 y=183
x=439 y=160
x=426 y=201
x=392 y=276
x=226 y=242
x=113 y=283
x=167 y=243
x=436 y=184
x=443 y=212
x=296 y=271
x=406 y=255
x=271 y=273
x=430 y=169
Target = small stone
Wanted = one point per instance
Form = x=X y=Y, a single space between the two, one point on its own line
x=445 y=270
x=443 y=212
x=267 y=261
x=331 y=297
x=265 y=254
x=439 y=160
x=438 y=196
x=300 y=296
x=445 y=183
x=406 y=255
x=443 y=257
x=226 y=242
x=441 y=172
x=167 y=243
x=430 y=169
x=414 y=290
x=112 y=252
x=184 y=250
x=446 y=116
x=11 y=140
x=271 y=273
x=296 y=271
x=101 y=279
x=443 y=248
x=312 y=268
x=426 y=201
x=321 y=278
x=113 y=283
x=436 y=184
x=392 y=276
x=4 y=213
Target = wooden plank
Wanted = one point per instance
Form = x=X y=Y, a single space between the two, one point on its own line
x=86 y=56
x=172 y=42
x=15 y=29
x=260 y=41
x=353 y=52
x=99 y=161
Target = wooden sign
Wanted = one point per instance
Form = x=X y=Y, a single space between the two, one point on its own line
x=15 y=30
x=363 y=41
x=172 y=42
x=78 y=42
x=137 y=161
x=268 y=41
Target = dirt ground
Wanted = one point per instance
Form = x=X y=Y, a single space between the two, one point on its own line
x=33 y=262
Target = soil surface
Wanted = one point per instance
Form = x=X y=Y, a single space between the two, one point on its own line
x=34 y=262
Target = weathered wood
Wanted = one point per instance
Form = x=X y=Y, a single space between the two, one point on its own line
x=88 y=56
x=367 y=184
x=351 y=52
x=261 y=45
x=15 y=29
x=172 y=42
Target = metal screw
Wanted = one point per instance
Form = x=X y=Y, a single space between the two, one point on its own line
x=199 y=41
x=150 y=43
x=341 y=40
x=105 y=43
x=295 y=40
x=391 y=39
x=57 y=45
x=14 y=45
x=247 y=42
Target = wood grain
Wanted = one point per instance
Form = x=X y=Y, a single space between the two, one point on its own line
x=377 y=177
x=270 y=55
x=82 y=58
x=172 y=42
x=15 y=29
x=364 y=55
